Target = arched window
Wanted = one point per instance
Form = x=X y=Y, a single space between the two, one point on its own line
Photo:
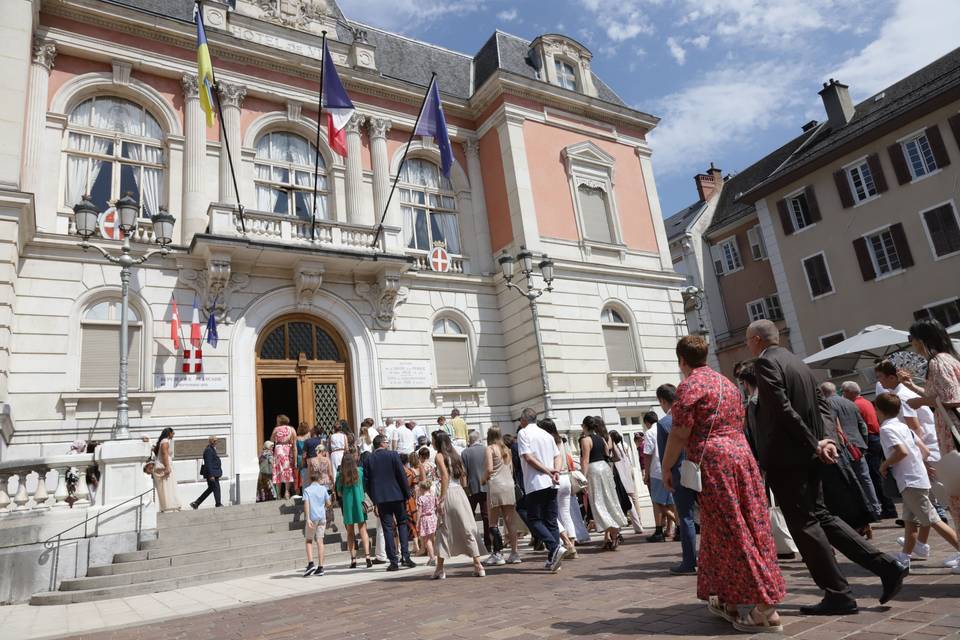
x=566 y=76
x=451 y=350
x=429 y=207
x=100 y=347
x=290 y=339
x=284 y=176
x=114 y=146
x=618 y=340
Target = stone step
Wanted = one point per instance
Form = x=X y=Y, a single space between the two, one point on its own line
x=230 y=512
x=200 y=529
x=167 y=539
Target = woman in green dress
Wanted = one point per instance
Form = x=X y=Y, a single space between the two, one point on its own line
x=350 y=490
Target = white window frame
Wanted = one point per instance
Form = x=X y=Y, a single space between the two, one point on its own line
x=626 y=323
x=806 y=276
x=559 y=72
x=796 y=195
x=464 y=335
x=915 y=136
x=926 y=229
x=137 y=382
x=587 y=164
x=766 y=308
x=859 y=165
x=831 y=335
x=757 y=245
x=445 y=190
x=718 y=254
x=874 y=259
x=940 y=303
x=291 y=188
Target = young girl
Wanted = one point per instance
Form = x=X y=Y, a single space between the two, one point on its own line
x=265 y=488
x=427 y=506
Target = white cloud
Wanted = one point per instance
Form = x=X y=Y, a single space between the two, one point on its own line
x=620 y=20
x=508 y=15
x=678 y=52
x=700 y=42
x=406 y=16
x=918 y=32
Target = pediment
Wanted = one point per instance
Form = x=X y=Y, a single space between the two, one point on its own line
x=587 y=152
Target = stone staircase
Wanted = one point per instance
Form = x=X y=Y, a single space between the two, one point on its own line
x=208 y=545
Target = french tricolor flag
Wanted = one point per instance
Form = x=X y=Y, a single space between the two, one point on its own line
x=195 y=335
x=337 y=104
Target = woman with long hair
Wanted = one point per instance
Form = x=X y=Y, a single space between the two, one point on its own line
x=457 y=532
x=428 y=470
x=568 y=532
x=337 y=444
x=300 y=477
x=163 y=480
x=501 y=498
x=367 y=433
x=604 y=503
x=623 y=467
x=350 y=490
x=284 y=456
x=265 y=489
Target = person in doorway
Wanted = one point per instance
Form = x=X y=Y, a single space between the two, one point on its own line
x=265 y=489
x=211 y=470
x=457 y=531
x=300 y=470
x=385 y=482
x=474 y=458
x=684 y=498
x=284 y=460
x=874 y=456
x=163 y=479
x=316 y=502
x=350 y=489
x=460 y=429
x=501 y=497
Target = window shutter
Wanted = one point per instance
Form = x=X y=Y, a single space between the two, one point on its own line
x=876 y=170
x=593 y=210
x=903 y=247
x=899 y=163
x=843 y=188
x=100 y=357
x=812 y=205
x=717 y=256
x=863 y=258
x=936 y=145
x=452 y=361
x=621 y=355
x=785 y=219
x=954 y=121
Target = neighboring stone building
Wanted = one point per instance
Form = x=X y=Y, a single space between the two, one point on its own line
x=316 y=323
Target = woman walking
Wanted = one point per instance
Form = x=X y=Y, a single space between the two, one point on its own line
x=413 y=481
x=501 y=498
x=284 y=456
x=428 y=470
x=300 y=475
x=337 y=444
x=163 y=480
x=604 y=504
x=738 y=556
x=624 y=470
x=568 y=532
x=350 y=490
x=265 y=489
x=457 y=531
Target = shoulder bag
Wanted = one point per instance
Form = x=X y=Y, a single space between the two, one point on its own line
x=689 y=470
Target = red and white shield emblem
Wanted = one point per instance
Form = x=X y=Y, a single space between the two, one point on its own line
x=109 y=224
x=440 y=260
x=192 y=361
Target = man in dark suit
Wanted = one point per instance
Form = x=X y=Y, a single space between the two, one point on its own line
x=211 y=470
x=794 y=419
x=385 y=482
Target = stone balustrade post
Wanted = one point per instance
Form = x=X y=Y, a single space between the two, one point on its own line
x=82 y=494
x=61 y=494
x=21 y=498
x=4 y=496
x=231 y=99
x=41 y=496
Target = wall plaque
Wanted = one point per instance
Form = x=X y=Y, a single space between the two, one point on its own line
x=192 y=448
x=190 y=382
x=406 y=374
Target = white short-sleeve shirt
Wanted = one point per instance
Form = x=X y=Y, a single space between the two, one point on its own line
x=924 y=415
x=650 y=449
x=534 y=440
x=406 y=440
x=909 y=472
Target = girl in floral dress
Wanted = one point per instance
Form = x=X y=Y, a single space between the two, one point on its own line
x=284 y=453
x=427 y=506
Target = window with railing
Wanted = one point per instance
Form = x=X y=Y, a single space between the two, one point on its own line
x=429 y=207
x=284 y=175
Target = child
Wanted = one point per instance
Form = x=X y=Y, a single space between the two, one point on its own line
x=427 y=506
x=905 y=455
x=265 y=488
x=316 y=501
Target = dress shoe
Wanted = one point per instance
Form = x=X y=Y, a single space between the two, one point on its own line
x=393 y=567
x=893 y=582
x=828 y=608
x=409 y=564
x=681 y=570
x=656 y=537
x=786 y=556
x=379 y=561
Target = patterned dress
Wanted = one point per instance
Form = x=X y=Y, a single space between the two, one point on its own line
x=283 y=454
x=943 y=385
x=738 y=556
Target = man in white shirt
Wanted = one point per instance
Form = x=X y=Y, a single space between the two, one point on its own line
x=420 y=431
x=391 y=432
x=653 y=478
x=540 y=463
x=406 y=440
x=921 y=421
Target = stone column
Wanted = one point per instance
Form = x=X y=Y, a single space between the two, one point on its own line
x=44 y=54
x=231 y=99
x=194 y=210
x=377 y=128
x=355 y=213
x=479 y=201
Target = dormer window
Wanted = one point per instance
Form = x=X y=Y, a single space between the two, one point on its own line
x=566 y=76
x=563 y=62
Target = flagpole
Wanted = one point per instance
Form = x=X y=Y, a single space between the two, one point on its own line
x=316 y=160
x=413 y=133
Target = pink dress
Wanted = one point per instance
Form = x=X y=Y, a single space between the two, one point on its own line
x=943 y=385
x=427 y=505
x=738 y=556
x=284 y=437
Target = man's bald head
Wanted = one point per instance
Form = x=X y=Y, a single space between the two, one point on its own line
x=762 y=334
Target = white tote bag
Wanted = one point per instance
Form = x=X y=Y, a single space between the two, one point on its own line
x=781 y=534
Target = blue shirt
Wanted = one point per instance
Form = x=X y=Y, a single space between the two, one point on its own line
x=663 y=433
x=317 y=496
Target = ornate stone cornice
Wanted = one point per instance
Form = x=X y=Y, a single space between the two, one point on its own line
x=44 y=53
x=191 y=88
x=231 y=95
x=355 y=122
x=378 y=127
x=214 y=283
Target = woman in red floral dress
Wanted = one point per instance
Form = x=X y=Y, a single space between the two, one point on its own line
x=738 y=556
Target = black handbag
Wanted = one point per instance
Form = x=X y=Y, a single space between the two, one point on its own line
x=203 y=471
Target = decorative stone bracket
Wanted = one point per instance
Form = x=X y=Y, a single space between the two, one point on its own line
x=307 y=277
x=384 y=296
x=214 y=283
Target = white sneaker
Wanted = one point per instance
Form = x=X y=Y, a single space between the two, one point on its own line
x=955 y=570
x=921 y=551
x=514 y=558
x=902 y=558
x=495 y=559
x=952 y=561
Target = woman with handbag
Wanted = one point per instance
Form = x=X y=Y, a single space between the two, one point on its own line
x=163 y=480
x=350 y=490
x=594 y=453
x=501 y=498
x=624 y=470
x=738 y=557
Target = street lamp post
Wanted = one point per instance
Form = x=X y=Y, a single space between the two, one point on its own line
x=532 y=293
x=86 y=217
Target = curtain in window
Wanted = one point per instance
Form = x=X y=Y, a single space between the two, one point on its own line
x=452 y=359
x=78 y=168
x=148 y=182
x=81 y=114
x=445 y=228
x=621 y=354
x=299 y=151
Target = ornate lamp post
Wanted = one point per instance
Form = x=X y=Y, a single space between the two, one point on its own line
x=693 y=301
x=86 y=217
x=532 y=293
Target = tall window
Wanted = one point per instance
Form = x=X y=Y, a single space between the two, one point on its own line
x=765 y=308
x=883 y=251
x=947 y=313
x=618 y=340
x=818 y=275
x=595 y=214
x=284 y=176
x=451 y=351
x=114 y=146
x=758 y=250
x=429 y=207
x=943 y=230
x=800 y=211
x=566 y=76
x=100 y=347
x=920 y=156
x=726 y=256
x=861 y=181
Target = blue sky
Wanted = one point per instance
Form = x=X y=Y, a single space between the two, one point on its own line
x=731 y=79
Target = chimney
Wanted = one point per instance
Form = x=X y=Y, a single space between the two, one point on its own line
x=837 y=103
x=709 y=183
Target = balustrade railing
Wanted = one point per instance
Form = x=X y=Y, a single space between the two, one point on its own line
x=30 y=479
x=422 y=263
x=282 y=228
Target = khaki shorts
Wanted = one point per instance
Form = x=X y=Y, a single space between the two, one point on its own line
x=917 y=507
x=313 y=532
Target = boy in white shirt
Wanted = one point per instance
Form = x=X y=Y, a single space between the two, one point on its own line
x=316 y=501
x=905 y=454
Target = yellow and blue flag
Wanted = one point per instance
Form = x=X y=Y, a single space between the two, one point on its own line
x=204 y=71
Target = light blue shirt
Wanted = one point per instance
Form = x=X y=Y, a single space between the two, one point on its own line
x=317 y=496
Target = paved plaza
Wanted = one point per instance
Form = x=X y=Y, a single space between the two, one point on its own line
x=626 y=594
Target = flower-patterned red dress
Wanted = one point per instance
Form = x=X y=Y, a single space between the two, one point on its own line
x=738 y=556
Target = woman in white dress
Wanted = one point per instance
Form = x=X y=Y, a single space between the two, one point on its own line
x=501 y=498
x=337 y=445
x=624 y=468
x=163 y=480
x=457 y=530
x=594 y=453
x=568 y=531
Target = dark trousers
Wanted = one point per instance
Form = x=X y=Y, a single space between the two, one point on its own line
x=685 y=499
x=393 y=515
x=799 y=494
x=481 y=499
x=213 y=486
x=521 y=508
x=542 y=510
x=874 y=460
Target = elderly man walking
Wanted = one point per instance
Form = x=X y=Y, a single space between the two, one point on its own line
x=475 y=460
x=793 y=418
x=851 y=391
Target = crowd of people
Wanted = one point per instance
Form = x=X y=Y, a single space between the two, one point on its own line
x=742 y=463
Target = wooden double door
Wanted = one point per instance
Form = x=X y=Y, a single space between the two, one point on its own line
x=303 y=372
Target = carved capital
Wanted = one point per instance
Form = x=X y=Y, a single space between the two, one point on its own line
x=307 y=277
x=473 y=148
x=384 y=296
x=231 y=95
x=378 y=127
x=355 y=122
x=215 y=283
x=191 y=88
x=44 y=53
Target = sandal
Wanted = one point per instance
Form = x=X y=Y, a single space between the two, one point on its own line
x=750 y=624
x=718 y=609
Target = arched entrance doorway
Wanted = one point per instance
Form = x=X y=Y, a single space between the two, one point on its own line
x=303 y=372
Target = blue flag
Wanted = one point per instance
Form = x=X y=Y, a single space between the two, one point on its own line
x=432 y=123
x=212 y=336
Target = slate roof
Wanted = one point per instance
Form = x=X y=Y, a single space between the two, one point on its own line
x=935 y=79
x=677 y=224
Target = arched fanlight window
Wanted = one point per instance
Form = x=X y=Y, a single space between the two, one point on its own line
x=100 y=347
x=451 y=350
x=618 y=340
x=284 y=176
x=290 y=339
x=429 y=207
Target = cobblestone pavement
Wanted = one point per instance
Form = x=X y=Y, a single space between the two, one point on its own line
x=624 y=594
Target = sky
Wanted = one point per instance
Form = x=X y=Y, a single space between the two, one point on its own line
x=731 y=80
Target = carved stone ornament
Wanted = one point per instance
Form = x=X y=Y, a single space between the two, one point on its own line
x=473 y=148
x=44 y=53
x=121 y=72
x=378 y=127
x=190 y=87
x=307 y=277
x=214 y=285
x=231 y=95
x=354 y=123
x=592 y=184
x=296 y=14
x=384 y=296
